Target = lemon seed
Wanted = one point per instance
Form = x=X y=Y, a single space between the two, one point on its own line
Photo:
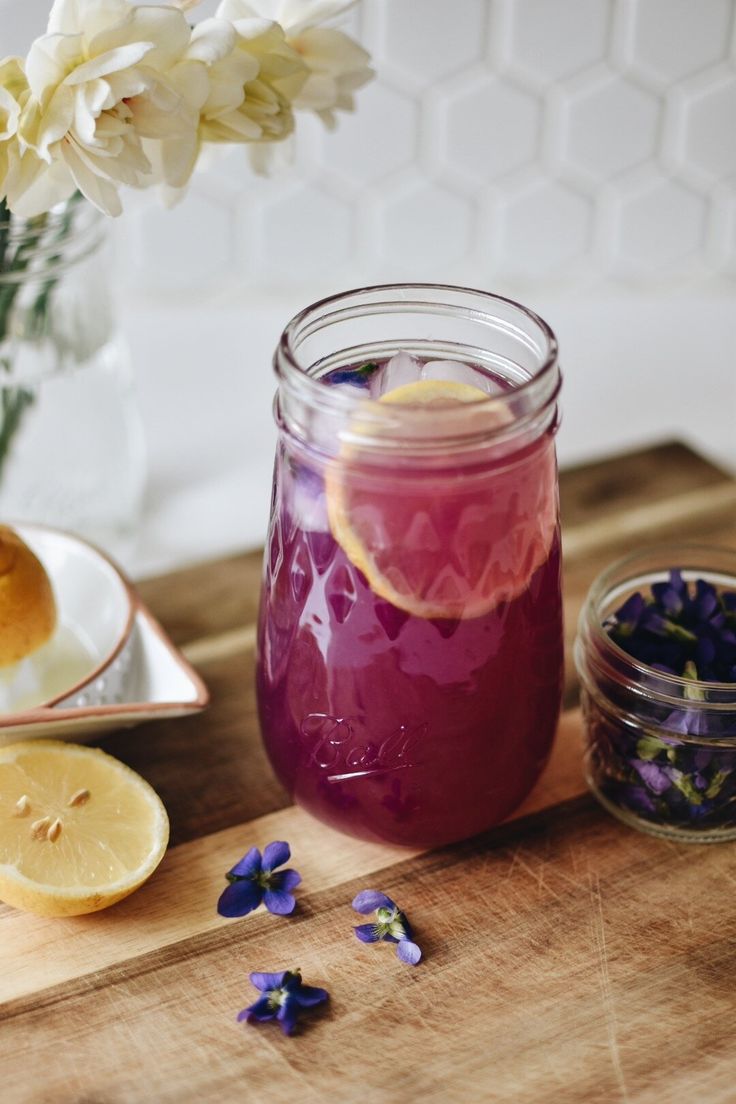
x=39 y=828
x=81 y=797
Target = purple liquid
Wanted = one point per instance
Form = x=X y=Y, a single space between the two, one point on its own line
x=388 y=725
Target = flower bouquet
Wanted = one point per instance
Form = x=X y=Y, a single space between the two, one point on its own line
x=118 y=95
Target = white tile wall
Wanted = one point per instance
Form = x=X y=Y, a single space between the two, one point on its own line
x=504 y=142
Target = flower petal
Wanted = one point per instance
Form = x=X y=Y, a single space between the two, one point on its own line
x=276 y=854
x=212 y=40
x=70 y=16
x=49 y=59
x=249 y=865
x=265 y=982
x=309 y=995
x=367 y=933
x=34 y=187
x=239 y=898
x=285 y=879
x=368 y=900
x=261 y=1010
x=99 y=191
x=287 y=1016
x=408 y=952
x=279 y=901
x=112 y=61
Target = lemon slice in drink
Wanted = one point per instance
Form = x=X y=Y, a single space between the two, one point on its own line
x=446 y=537
x=78 y=829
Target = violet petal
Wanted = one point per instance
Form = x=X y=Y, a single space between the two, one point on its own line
x=310 y=995
x=287 y=1016
x=265 y=982
x=279 y=901
x=249 y=865
x=261 y=1010
x=368 y=900
x=367 y=933
x=239 y=898
x=285 y=879
x=408 y=952
x=654 y=776
x=276 y=854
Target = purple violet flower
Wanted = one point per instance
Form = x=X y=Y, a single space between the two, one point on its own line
x=655 y=776
x=629 y=615
x=684 y=629
x=283 y=998
x=254 y=881
x=390 y=925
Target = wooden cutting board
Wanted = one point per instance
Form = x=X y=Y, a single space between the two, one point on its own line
x=567 y=958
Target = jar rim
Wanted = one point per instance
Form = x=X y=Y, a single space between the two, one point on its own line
x=616 y=575
x=526 y=401
x=54 y=241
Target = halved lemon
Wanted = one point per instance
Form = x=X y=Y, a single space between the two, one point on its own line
x=27 y=606
x=451 y=538
x=78 y=829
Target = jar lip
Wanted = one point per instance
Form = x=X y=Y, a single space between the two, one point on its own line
x=540 y=389
x=616 y=575
x=52 y=242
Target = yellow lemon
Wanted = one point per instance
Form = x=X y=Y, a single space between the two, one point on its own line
x=78 y=829
x=428 y=392
x=27 y=606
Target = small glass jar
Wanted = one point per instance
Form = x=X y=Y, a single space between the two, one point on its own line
x=410 y=646
x=660 y=749
x=72 y=452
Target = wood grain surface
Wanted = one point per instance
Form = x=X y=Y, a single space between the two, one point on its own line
x=567 y=958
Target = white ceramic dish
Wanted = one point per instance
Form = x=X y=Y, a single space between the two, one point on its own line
x=129 y=671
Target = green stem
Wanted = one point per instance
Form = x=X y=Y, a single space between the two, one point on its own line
x=15 y=401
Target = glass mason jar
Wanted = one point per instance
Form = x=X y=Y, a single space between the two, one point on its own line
x=410 y=646
x=71 y=437
x=660 y=748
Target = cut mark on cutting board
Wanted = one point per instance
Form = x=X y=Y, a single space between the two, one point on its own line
x=604 y=977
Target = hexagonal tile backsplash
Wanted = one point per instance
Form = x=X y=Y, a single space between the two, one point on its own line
x=504 y=143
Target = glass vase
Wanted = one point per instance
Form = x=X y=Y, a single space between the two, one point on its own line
x=410 y=645
x=71 y=439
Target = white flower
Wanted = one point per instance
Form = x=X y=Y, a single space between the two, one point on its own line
x=122 y=94
x=333 y=66
x=293 y=15
x=337 y=67
x=12 y=87
x=174 y=155
x=23 y=173
x=98 y=86
x=252 y=88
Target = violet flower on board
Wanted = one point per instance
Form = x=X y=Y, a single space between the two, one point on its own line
x=283 y=997
x=255 y=881
x=390 y=925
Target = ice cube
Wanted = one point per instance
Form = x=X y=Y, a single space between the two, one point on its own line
x=402 y=368
x=455 y=371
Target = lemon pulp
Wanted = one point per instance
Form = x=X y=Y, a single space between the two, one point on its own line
x=78 y=829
